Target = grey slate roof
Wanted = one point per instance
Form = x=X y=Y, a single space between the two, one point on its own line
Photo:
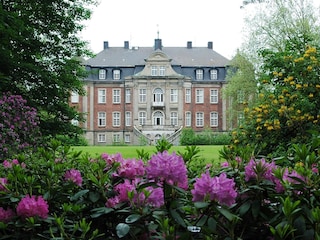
x=183 y=56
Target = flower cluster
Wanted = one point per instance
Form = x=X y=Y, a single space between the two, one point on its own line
x=3 y=183
x=259 y=170
x=130 y=168
x=169 y=168
x=10 y=164
x=220 y=189
x=18 y=125
x=6 y=215
x=262 y=170
x=74 y=176
x=32 y=206
x=127 y=192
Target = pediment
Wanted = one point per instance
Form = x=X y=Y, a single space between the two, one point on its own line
x=158 y=56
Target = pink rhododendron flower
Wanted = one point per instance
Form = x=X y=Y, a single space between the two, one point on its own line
x=220 y=189
x=238 y=159
x=169 y=168
x=225 y=164
x=315 y=168
x=6 y=215
x=261 y=167
x=156 y=198
x=130 y=168
x=74 y=176
x=153 y=198
x=287 y=178
x=33 y=206
x=3 y=183
x=110 y=159
x=8 y=164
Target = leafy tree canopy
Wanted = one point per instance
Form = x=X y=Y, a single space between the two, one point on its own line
x=40 y=57
x=241 y=88
x=283 y=46
x=286 y=111
x=271 y=23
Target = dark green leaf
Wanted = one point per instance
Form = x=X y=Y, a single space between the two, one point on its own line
x=201 y=204
x=79 y=194
x=177 y=217
x=122 y=230
x=133 y=218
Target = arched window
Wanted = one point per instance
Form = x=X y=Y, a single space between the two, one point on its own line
x=158 y=95
x=158 y=118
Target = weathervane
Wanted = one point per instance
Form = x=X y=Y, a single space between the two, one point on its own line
x=158 y=31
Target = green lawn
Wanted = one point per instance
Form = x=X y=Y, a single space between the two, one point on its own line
x=208 y=152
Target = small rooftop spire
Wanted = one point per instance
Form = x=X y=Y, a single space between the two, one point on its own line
x=157 y=31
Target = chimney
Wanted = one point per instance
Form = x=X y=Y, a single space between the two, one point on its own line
x=126 y=44
x=210 y=45
x=189 y=44
x=105 y=45
x=157 y=44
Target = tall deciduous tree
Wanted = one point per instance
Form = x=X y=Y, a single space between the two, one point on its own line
x=241 y=88
x=271 y=23
x=284 y=45
x=40 y=57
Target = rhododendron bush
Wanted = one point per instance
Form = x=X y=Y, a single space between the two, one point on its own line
x=57 y=193
x=19 y=122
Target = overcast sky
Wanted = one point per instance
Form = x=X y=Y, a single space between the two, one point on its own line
x=177 y=21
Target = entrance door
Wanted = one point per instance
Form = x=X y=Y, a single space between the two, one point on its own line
x=158 y=118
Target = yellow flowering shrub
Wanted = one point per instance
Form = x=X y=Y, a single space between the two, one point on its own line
x=288 y=101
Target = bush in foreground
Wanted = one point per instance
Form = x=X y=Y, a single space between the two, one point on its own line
x=59 y=194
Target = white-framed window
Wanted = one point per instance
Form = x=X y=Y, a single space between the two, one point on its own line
x=214 y=95
x=158 y=95
x=116 y=96
x=116 y=74
x=187 y=119
x=74 y=97
x=116 y=137
x=174 y=95
x=102 y=137
x=162 y=71
x=116 y=119
x=154 y=71
x=128 y=95
x=127 y=138
x=199 y=96
x=199 y=119
x=142 y=118
x=199 y=74
x=188 y=95
x=214 y=121
x=213 y=74
x=102 y=74
x=102 y=95
x=101 y=119
x=128 y=119
x=174 y=118
x=142 y=95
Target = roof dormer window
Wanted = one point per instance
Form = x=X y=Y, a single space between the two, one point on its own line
x=102 y=74
x=116 y=74
x=214 y=74
x=199 y=74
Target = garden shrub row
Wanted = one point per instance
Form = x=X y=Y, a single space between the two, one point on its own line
x=56 y=193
